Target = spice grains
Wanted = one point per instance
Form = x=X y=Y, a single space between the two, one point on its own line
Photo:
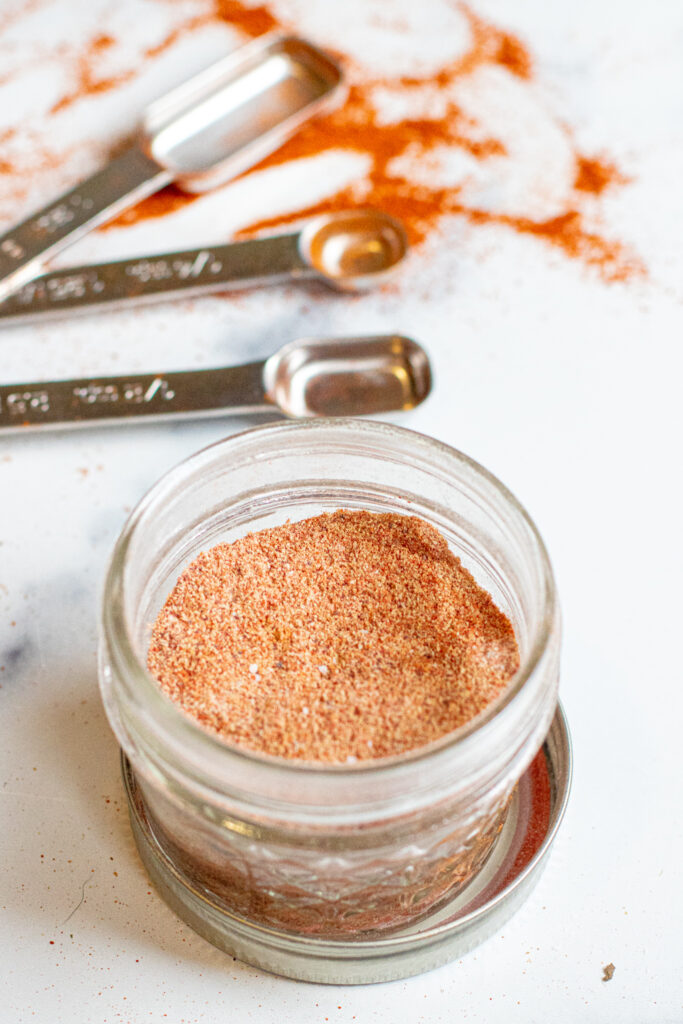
x=348 y=636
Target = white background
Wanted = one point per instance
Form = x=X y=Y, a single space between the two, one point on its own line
x=567 y=388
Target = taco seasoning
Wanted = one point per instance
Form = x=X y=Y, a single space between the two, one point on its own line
x=329 y=726
x=348 y=636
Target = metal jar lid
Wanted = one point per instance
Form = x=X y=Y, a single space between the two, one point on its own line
x=491 y=898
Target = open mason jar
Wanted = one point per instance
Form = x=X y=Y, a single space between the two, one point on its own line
x=296 y=866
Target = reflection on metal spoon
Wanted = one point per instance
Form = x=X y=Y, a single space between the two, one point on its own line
x=353 y=249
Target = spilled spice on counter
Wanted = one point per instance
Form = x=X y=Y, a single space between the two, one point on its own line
x=392 y=148
x=358 y=126
x=349 y=636
x=252 y=19
x=88 y=81
x=595 y=175
x=608 y=972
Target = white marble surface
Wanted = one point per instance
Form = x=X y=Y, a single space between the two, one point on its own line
x=567 y=388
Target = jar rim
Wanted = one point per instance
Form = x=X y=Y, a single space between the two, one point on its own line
x=174 y=722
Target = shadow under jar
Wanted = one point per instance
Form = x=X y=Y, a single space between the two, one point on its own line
x=332 y=852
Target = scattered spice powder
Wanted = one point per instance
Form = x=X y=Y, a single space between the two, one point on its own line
x=252 y=21
x=349 y=636
x=359 y=126
x=595 y=175
x=88 y=82
x=608 y=972
x=513 y=55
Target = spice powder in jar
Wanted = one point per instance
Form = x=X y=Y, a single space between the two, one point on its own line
x=348 y=636
x=336 y=639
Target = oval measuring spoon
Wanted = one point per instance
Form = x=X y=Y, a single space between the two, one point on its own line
x=207 y=130
x=353 y=249
x=348 y=250
x=311 y=377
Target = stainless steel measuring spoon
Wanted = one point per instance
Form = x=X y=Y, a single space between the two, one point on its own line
x=206 y=131
x=349 y=250
x=310 y=377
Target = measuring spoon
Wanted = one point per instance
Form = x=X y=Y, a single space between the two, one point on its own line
x=349 y=250
x=206 y=131
x=310 y=377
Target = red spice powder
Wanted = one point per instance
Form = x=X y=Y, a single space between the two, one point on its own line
x=20 y=163
x=6 y=166
x=165 y=201
x=594 y=175
x=568 y=233
x=88 y=82
x=349 y=636
x=252 y=20
x=514 y=56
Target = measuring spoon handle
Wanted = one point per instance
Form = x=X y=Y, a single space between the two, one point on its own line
x=92 y=399
x=156 y=277
x=127 y=179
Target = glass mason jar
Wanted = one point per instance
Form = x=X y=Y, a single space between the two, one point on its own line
x=335 y=852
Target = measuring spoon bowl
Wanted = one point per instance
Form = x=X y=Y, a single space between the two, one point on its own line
x=239 y=110
x=353 y=249
x=347 y=376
